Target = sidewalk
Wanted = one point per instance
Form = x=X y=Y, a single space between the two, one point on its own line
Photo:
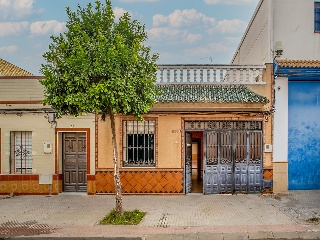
x=193 y=216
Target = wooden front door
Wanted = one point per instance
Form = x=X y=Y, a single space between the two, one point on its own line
x=74 y=162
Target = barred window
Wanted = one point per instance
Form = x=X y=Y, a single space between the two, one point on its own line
x=21 y=152
x=139 y=144
x=317 y=16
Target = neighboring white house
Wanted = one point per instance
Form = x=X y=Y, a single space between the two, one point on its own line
x=287 y=34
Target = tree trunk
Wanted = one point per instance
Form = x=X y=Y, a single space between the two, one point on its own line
x=117 y=182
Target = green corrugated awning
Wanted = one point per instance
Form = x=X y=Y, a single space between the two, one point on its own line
x=208 y=93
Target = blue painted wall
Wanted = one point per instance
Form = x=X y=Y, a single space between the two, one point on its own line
x=304 y=135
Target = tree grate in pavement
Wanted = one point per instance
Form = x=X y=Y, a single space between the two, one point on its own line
x=163 y=221
x=24 y=228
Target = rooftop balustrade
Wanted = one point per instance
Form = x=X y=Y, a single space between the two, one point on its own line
x=209 y=74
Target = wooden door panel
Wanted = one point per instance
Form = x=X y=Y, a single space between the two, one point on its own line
x=74 y=162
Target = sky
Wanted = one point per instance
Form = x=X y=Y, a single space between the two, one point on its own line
x=180 y=31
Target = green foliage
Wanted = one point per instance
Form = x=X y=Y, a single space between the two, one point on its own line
x=127 y=218
x=100 y=65
x=313 y=220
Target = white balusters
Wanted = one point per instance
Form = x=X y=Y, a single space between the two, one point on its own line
x=175 y=75
x=234 y=76
x=221 y=75
x=215 y=74
x=247 y=75
x=201 y=75
x=161 y=75
x=260 y=75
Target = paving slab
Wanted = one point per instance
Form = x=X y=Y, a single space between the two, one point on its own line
x=285 y=235
x=153 y=237
x=261 y=235
x=194 y=216
x=308 y=235
x=235 y=236
x=210 y=236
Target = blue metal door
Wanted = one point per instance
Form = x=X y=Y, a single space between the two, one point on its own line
x=304 y=136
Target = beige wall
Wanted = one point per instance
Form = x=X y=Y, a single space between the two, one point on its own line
x=280 y=177
x=41 y=132
x=20 y=90
x=77 y=124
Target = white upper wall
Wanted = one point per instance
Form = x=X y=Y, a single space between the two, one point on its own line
x=290 y=22
x=294 y=27
x=254 y=48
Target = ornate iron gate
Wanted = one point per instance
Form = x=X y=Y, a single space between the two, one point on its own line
x=232 y=155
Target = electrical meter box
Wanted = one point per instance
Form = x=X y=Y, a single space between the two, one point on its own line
x=47 y=147
x=268 y=148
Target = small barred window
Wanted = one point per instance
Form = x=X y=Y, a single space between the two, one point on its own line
x=21 y=152
x=139 y=144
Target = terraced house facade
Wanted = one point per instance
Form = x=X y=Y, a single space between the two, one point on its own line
x=286 y=33
x=210 y=132
x=38 y=153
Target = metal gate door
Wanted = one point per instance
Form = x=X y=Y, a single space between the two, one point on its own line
x=304 y=135
x=233 y=161
x=74 y=162
x=188 y=163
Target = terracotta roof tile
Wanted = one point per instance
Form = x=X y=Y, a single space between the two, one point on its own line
x=208 y=93
x=299 y=63
x=8 y=69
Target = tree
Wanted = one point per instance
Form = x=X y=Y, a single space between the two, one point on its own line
x=100 y=65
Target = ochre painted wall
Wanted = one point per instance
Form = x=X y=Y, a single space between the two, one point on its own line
x=169 y=141
x=104 y=142
x=169 y=137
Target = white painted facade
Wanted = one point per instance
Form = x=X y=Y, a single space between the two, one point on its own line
x=286 y=25
x=279 y=23
x=280 y=127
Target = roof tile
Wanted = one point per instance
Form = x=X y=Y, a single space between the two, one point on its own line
x=299 y=63
x=8 y=69
x=208 y=93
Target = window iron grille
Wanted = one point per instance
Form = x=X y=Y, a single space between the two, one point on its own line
x=138 y=144
x=21 y=152
x=223 y=125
